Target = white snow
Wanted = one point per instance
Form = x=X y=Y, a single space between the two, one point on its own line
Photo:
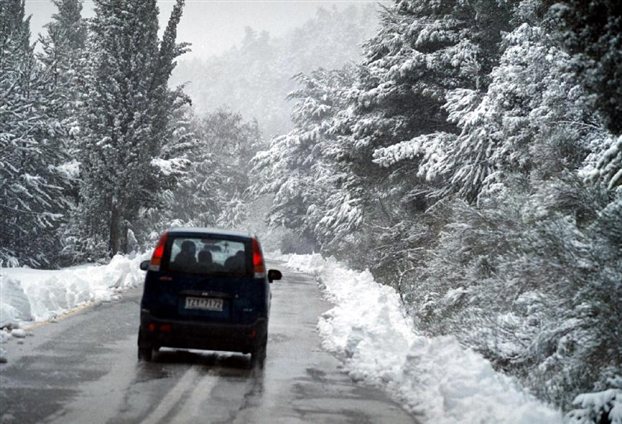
x=28 y=295
x=18 y=333
x=169 y=166
x=70 y=169
x=591 y=406
x=368 y=328
x=435 y=377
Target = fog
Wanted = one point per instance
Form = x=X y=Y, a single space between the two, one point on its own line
x=213 y=26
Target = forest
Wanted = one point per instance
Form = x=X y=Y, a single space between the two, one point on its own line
x=470 y=157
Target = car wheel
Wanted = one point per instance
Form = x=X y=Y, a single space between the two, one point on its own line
x=145 y=350
x=258 y=355
x=145 y=354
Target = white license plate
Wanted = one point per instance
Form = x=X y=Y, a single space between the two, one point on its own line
x=204 y=303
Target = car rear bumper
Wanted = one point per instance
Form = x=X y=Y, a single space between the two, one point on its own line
x=155 y=332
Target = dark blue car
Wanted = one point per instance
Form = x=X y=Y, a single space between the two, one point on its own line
x=206 y=289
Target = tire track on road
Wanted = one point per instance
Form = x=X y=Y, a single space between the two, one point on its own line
x=174 y=398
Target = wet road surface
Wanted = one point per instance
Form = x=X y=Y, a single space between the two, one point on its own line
x=83 y=369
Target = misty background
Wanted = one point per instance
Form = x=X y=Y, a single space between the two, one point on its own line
x=243 y=54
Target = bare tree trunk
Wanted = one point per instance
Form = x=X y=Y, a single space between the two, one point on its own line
x=115 y=230
x=123 y=243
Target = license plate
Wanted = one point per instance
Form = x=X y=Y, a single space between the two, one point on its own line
x=204 y=303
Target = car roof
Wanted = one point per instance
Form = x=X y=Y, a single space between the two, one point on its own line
x=210 y=231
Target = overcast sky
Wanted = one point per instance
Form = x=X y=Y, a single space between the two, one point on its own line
x=213 y=26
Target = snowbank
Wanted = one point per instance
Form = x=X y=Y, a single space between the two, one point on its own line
x=28 y=295
x=434 y=377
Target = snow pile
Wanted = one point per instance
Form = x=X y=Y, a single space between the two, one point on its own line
x=591 y=407
x=435 y=377
x=38 y=295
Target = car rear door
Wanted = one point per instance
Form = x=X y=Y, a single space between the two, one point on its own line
x=211 y=281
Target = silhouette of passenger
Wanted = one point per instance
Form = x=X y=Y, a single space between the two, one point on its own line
x=236 y=263
x=205 y=261
x=186 y=260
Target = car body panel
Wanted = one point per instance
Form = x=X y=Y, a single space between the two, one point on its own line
x=215 y=308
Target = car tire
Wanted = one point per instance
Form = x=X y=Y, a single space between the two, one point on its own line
x=145 y=350
x=258 y=355
x=145 y=354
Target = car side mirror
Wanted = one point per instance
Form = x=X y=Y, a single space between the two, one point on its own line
x=144 y=265
x=274 y=274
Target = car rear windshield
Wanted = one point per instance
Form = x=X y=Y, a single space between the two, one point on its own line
x=208 y=255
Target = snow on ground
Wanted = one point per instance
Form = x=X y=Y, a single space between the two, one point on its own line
x=29 y=295
x=435 y=378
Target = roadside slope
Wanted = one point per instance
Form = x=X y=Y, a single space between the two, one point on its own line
x=432 y=377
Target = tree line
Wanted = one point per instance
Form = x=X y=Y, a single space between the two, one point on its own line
x=254 y=77
x=473 y=161
x=98 y=154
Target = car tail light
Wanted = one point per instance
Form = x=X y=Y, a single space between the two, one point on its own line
x=158 y=253
x=259 y=268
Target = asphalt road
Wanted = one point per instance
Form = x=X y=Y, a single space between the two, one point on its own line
x=83 y=369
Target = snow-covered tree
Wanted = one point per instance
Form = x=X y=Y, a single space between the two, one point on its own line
x=520 y=281
x=483 y=183
x=423 y=51
x=64 y=61
x=299 y=167
x=213 y=191
x=128 y=120
x=329 y=39
x=591 y=32
x=526 y=276
x=426 y=52
x=63 y=58
x=31 y=175
x=532 y=118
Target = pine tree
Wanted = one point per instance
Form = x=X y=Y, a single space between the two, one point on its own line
x=396 y=118
x=128 y=119
x=300 y=167
x=212 y=192
x=31 y=177
x=590 y=30
x=64 y=59
x=424 y=52
x=532 y=120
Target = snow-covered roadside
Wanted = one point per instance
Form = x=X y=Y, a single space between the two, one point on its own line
x=28 y=295
x=433 y=377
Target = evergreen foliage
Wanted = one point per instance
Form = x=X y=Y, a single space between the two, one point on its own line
x=475 y=152
x=591 y=31
x=329 y=40
x=213 y=190
x=127 y=122
x=472 y=160
x=31 y=158
x=64 y=58
x=310 y=189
